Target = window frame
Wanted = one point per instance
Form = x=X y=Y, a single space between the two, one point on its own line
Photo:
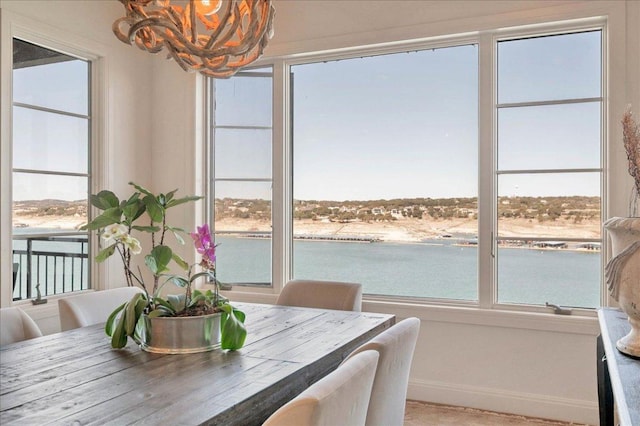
x=487 y=150
x=491 y=293
x=58 y=112
x=211 y=178
x=99 y=150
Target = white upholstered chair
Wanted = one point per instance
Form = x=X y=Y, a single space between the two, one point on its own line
x=340 y=398
x=322 y=294
x=16 y=325
x=92 y=308
x=388 y=397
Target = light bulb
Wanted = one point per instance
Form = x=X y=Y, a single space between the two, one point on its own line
x=208 y=7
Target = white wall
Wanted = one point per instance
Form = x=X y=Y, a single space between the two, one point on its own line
x=525 y=363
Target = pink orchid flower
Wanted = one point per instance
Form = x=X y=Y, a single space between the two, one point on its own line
x=204 y=245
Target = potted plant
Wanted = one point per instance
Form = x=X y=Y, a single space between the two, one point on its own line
x=622 y=272
x=191 y=321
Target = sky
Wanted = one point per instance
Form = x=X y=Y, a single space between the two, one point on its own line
x=46 y=141
x=403 y=125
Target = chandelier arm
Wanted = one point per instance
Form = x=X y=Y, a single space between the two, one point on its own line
x=148 y=24
x=118 y=32
x=192 y=18
x=223 y=22
x=177 y=20
x=172 y=53
x=246 y=59
x=217 y=74
x=220 y=62
x=246 y=44
x=227 y=33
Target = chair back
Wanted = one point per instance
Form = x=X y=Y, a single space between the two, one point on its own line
x=340 y=398
x=388 y=397
x=92 y=308
x=336 y=295
x=16 y=325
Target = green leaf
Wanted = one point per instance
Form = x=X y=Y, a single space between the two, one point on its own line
x=141 y=189
x=146 y=228
x=170 y=195
x=109 y=326
x=183 y=200
x=154 y=209
x=141 y=305
x=239 y=314
x=163 y=304
x=119 y=337
x=106 y=253
x=140 y=334
x=177 y=301
x=232 y=329
x=104 y=200
x=175 y=229
x=196 y=298
x=109 y=216
x=158 y=259
x=130 y=313
x=180 y=261
x=133 y=209
x=179 y=281
x=134 y=198
x=175 y=232
x=201 y=274
x=161 y=312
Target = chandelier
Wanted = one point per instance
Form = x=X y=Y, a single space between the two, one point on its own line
x=214 y=37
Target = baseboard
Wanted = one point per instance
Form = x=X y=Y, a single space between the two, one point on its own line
x=520 y=403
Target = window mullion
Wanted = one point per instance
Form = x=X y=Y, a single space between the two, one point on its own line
x=281 y=201
x=486 y=165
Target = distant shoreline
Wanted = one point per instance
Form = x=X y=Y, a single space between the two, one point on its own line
x=456 y=242
x=419 y=230
x=404 y=230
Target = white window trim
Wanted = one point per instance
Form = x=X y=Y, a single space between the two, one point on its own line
x=18 y=26
x=491 y=145
x=611 y=16
x=277 y=175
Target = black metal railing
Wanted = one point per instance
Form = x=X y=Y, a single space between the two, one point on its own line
x=48 y=264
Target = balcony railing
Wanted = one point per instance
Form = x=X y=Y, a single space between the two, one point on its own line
x=48 y=264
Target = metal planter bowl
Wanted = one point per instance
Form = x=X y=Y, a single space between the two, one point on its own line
x=179 y=335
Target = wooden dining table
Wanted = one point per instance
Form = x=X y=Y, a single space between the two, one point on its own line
x=75 y=377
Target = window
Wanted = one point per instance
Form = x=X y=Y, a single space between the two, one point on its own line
x=549 y=169
x=51 y=170
x=469 y=171
x=241 y=176
x=385 y=172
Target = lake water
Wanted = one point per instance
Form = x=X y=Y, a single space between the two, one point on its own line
x=438 y=269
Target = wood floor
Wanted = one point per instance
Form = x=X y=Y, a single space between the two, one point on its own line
x=422 y=414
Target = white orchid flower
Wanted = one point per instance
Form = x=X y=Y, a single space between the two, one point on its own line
x=113 y=233
x=132 y=244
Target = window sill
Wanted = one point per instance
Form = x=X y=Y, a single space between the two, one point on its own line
x=582 y=322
